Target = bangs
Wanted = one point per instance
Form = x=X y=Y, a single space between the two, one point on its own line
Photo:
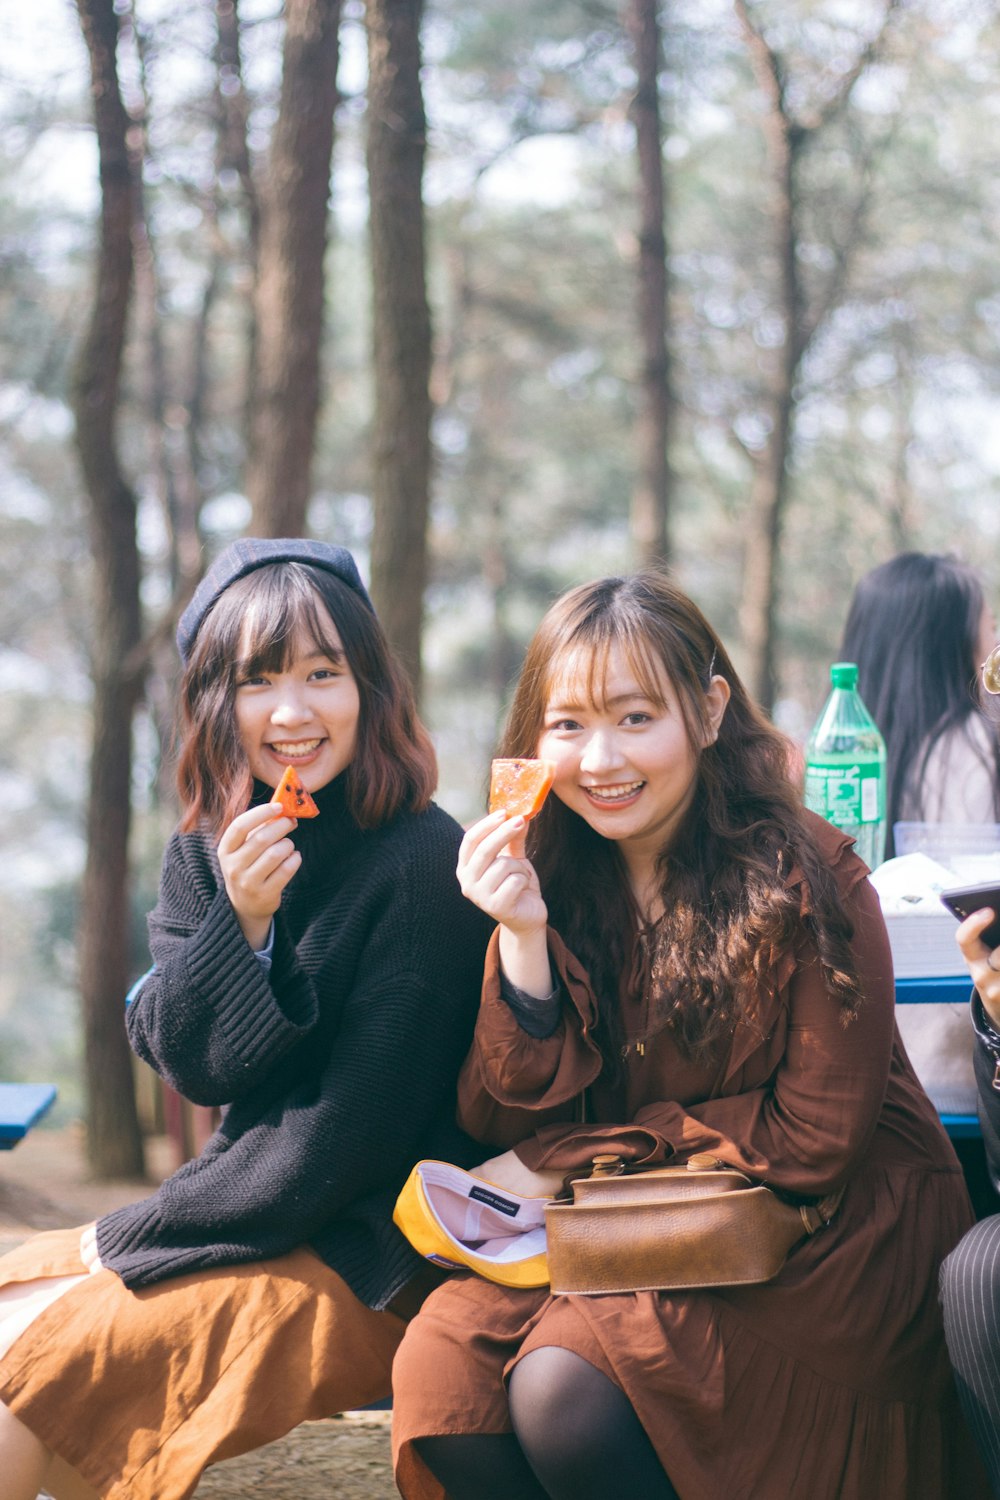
x=579 y=672
x=278 y=621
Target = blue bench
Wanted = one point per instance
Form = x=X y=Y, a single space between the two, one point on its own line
x=21 y=1106
x=954 y=989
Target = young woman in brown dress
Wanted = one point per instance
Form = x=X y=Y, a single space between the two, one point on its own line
x=687 y=961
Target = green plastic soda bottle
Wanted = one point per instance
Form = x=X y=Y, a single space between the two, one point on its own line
x=845 y=766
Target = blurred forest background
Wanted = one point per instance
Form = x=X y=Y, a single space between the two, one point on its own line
x=502 y=296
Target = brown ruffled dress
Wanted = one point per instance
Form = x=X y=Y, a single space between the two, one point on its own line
x=831 y=1382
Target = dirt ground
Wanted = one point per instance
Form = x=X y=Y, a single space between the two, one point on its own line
x=44 y=1185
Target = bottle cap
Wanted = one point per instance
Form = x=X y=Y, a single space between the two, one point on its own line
x=844 y=674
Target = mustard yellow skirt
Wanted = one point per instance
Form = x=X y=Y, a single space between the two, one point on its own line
x=141 y=1391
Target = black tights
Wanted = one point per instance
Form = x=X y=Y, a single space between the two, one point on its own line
x=576 y=1437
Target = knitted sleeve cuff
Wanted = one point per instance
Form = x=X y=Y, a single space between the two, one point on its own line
x=126 y=1232
x=225 y=970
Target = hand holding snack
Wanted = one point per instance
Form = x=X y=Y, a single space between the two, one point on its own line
x=495 y=874
x=257 y=859
x=518 y=788
x=500 y=883
x=292 y=797
x=506 y=888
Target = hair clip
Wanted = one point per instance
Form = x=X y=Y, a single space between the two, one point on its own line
x=990 y=670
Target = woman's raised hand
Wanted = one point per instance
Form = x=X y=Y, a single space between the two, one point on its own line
x=984 y=964
x=498 y=880
x=257 y=859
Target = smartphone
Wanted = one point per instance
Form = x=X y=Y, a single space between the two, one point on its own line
x=964 y=900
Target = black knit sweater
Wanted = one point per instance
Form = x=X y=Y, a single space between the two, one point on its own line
x=337 y=1069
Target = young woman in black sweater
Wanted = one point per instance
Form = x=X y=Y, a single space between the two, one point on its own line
x=319 y=981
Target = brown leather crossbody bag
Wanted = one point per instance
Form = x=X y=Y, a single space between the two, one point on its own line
x=670 y=1228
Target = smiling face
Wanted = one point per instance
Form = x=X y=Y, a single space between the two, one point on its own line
x=303 y=714
x=626 y=760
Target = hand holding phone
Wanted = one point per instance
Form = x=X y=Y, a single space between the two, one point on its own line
x=962 y=901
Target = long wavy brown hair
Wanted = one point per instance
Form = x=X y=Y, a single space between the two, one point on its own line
x=729 y=915
x=254 y=626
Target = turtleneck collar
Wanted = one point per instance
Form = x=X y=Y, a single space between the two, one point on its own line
x=335 y=825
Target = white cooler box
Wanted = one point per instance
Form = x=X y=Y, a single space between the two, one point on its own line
x=923 y=945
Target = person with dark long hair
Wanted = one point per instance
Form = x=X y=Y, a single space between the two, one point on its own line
x=687 y=962
x=318 y=980
x=918 y=627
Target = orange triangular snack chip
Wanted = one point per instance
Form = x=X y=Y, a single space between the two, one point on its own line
x=294 y=799
x=520 y=787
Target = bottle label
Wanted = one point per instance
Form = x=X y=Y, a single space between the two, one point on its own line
x=843 y=794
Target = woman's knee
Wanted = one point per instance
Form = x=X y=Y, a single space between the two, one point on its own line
x=972 y=1270
x=970 y=1298
x=580 y=1432
x=560 y=1401
x=545 y=1389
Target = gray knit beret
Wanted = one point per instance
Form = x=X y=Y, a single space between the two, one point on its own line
x=251 y=552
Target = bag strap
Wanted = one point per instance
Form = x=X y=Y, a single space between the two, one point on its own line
x=817 y=1216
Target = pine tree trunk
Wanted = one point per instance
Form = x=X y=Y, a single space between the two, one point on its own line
x=401 y=324
x=786 y=136
x=762 y=553
x=769 y=490
x=290 y=279
x=650 y=519
x=113 y=1135
x=232 y=108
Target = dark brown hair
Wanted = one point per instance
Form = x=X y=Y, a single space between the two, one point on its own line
x=254 y=626
x=729 y=915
